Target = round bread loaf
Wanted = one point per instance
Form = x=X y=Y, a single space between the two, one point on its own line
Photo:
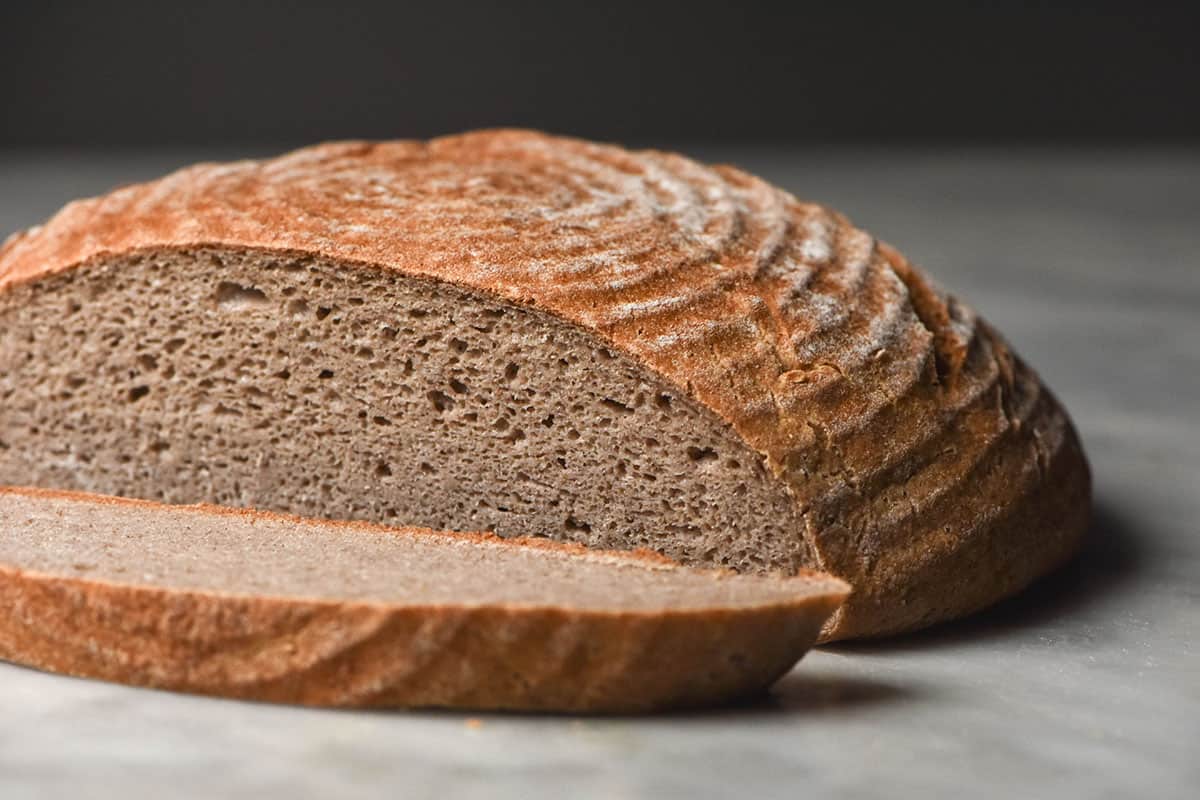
x=539 y=336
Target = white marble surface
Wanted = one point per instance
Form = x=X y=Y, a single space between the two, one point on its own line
x=1087 y=686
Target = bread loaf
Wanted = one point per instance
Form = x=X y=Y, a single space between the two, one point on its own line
x=260 y=606
x=539 y=336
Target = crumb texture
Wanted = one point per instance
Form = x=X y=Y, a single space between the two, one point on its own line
x=294 y=385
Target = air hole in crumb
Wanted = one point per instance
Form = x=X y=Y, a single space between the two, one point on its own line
x=458 y=386
x=383 y=470
x=417 y=313
x=562 y=462
x=283 y=374
x=381 y=420
x=548 y=422
x=323 y=312
x=365 y=352
x=471 y=416
x=325 y=374
x=427 y=468
x=441 y=401
x=297 y=308
x=147 y=362
x=510 y=371
x=458 y=345
x=573 y=524
x=138 y=392
x=650 y=441
x=702 y=454
x=616 y=405
x=733 y=463
x=408 y=366
x=235 y=297
x=174 y=344
x=663 y=401
x=515 y=435
x=501 y=424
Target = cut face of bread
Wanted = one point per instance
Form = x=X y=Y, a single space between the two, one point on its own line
x=294 y=385
x=539 y=336
x=255 y=605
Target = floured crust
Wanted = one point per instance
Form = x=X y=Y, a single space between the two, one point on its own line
x=933 y=470
x=331 y=652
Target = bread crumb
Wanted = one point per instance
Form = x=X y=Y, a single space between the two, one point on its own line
x=474 y=723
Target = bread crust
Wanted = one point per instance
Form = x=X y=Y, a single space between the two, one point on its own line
x=933 y=470
x=329 y=652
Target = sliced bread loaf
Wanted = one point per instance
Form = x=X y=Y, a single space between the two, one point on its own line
x=268 y=607
x=539 y=336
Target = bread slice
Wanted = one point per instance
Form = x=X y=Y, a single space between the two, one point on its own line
x=539 y=336
x=262 y=606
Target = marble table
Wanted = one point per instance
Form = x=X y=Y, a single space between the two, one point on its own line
x=1086 y=686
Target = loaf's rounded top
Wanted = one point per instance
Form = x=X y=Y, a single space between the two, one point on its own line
x=666 y=256
x=547 y=218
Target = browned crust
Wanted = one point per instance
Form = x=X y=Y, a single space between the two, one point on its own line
x=331 y=653
x=909 y=435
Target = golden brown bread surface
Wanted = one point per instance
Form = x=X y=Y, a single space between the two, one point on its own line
x=931 y=468
x=267 y=607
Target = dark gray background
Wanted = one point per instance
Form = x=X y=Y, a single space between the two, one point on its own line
x=163 y=73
